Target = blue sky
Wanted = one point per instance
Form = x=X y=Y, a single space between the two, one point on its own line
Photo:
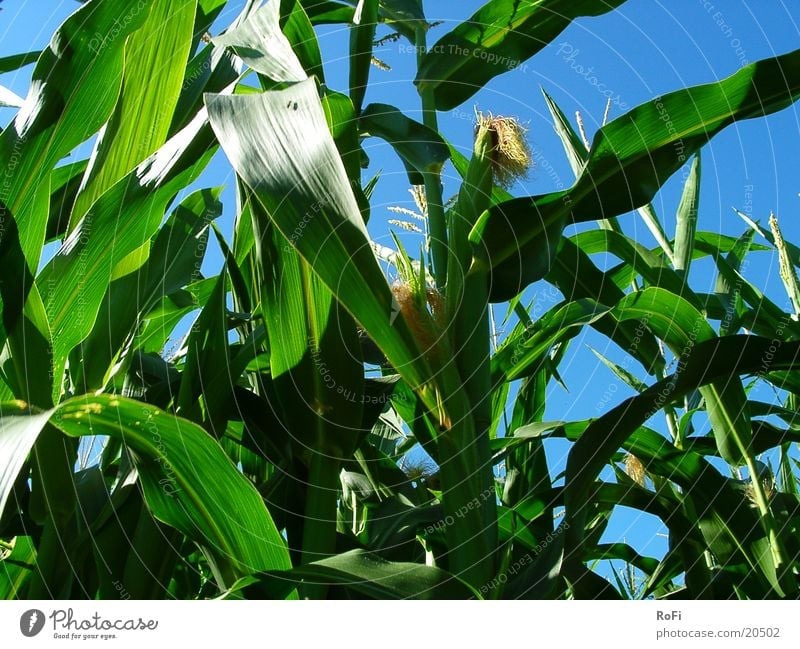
x=643 y=49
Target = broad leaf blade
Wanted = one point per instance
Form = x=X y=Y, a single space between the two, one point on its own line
x=374 y=577
x=155 y=59
x=188 y=481
x=74 y=89
x=500 y=36
x=279 y=144
x=18 y=434
x=78 y=276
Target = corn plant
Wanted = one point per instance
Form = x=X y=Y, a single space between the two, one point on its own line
x=326 y=427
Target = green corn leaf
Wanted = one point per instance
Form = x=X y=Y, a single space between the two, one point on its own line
x=522 y=354
x=77 y=277
x=623 y=374
x=27 y=333
x=188 y=481
x=421 y=149
x=207 y=354
x=17 y=568
x=306 y=193
x=715 y=359
x=732 y=532
x=641 y=261
x=212 y=70
x=173 y=262
x=64 y=185
x=343 y=125
x=372 y=576
x=664 y=131
x=576 y=276
x=542 y=574
x=681 y=327
x=159 y=323
x=321 y=12
x=650 y=218
x=362 y=34
x=300 y=33
x=73 y=92
x=573 y=146
x=317 y=372
x=17 y=61
x=794 y=251
x=769 y=319
x=260 y=43
x=155 y=59
x=498 y=37
x=730 y=293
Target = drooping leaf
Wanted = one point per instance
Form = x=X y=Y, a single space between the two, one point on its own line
x=499 y=37
x=420 y=148
x=188 y=481
x=306 y=193
x=664 y=132
x=710 y=361
x=260 y=43
x=9 y=99
x=18 y=434
x=279 y=144
x=374 y=577
x=83 y=268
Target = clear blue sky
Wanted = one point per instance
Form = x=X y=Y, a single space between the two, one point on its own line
x=643 y=49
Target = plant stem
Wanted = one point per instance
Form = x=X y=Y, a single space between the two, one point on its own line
x=468 y=478
x=770 y=527
x=669 y=411
x=437 y=228
x=319 y=529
